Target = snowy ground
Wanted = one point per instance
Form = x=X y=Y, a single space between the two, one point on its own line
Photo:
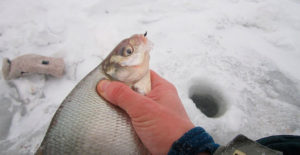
x=246 y=52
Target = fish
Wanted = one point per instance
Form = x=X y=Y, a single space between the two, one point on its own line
x=85 y=123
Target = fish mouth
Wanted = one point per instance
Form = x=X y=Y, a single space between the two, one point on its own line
x=143 y=39
x=147 y=42
x=140 y=38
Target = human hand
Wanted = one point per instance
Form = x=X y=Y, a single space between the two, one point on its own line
x=158 y=118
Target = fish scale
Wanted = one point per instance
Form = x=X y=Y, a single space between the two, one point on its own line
x=87 y=124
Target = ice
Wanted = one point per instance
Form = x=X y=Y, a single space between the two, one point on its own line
x=246 y=51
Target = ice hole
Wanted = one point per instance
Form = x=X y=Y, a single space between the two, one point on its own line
x=208 y=99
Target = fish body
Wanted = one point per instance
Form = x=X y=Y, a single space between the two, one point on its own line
x=87 y=124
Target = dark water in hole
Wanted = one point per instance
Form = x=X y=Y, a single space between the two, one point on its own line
x=206 y=104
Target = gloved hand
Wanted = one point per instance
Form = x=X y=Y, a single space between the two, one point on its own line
x=158 y=118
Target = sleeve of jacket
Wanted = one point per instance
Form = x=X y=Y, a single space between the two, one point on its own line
x=195 y=141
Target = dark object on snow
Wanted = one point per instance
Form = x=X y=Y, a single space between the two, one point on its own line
x=288 y=144
x=32 y=63
x=241 y=145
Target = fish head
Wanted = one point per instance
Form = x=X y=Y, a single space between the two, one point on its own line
x=129 y=60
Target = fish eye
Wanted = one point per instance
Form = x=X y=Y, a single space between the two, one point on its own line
x=127 y=51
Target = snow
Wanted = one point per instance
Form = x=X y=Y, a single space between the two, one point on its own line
x=246 y=52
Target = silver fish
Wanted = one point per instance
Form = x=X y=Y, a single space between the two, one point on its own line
x=87 y=124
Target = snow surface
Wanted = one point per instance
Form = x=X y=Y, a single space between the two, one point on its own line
x=247 y=52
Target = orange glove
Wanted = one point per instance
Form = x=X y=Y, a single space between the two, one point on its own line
x=158 y=118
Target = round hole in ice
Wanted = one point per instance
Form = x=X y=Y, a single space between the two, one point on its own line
x=208 y=98
x=206 y=104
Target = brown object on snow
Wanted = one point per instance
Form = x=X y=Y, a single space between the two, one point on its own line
x=32 y=63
